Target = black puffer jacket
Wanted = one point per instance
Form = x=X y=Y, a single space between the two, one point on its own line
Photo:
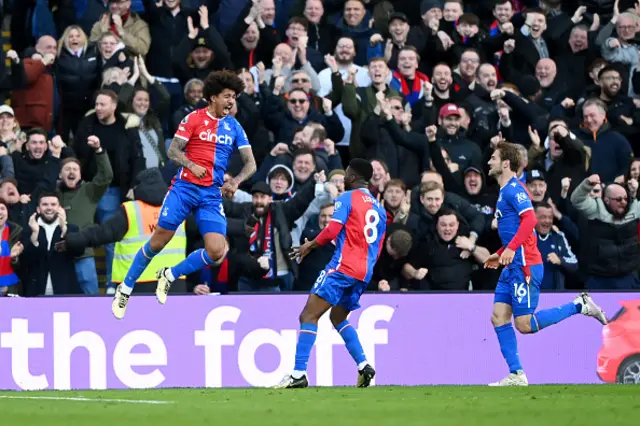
x=78 y=78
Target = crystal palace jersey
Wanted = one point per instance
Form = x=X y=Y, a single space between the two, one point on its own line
x=210 y=143
x=360 y=241
x=513 y=201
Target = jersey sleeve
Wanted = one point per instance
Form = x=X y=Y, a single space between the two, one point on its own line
x=520 y=200
x=187 y=126
x=342 y=208
x=242 y=141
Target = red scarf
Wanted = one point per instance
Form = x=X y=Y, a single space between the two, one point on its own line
x=260 y=243
x=223 y=273
x=113 y=29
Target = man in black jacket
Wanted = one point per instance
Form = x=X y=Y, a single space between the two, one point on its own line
x=118 y=134
x=268 y=224
x=44 y=269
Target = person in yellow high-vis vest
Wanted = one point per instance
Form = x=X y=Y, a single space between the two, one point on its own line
x=131 y=227
x=142 y=219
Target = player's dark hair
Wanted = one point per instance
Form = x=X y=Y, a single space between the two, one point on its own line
x=401 y=241
x=217 y=81
x=362 y=168
x=509 y=152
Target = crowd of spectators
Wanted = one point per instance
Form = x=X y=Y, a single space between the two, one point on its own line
x=95 y=89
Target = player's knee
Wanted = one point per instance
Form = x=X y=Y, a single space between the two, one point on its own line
x=216 y=252
x=523 y=324
x=160 y=239
x=307 y=317
x=497 y=320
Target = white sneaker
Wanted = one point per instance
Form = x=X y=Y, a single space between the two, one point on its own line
x=119 y=304
x=163 y=287
x=590 y=309
x=519 y=379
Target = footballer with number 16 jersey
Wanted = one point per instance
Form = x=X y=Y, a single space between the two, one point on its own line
x=518 y=288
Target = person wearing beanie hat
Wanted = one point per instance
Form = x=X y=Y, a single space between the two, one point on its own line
x=280 y=180
x=431 y=7
x=537 y=185
x=529 y=87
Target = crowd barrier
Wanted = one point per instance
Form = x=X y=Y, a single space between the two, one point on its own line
x=249 y=340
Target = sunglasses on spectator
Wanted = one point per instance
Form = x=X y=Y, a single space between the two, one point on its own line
x=297 y=101
x=299 y=80
x=618 y=199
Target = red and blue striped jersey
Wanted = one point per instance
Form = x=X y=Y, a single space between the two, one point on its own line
x=513 y=201
x=360 y=241
x=210 y=143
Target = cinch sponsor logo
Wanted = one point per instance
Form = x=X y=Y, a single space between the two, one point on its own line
x=210 y=136
x=224 y=348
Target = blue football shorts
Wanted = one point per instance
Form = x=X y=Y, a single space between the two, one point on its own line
x=339 y=289
x=186 y=197
x=520 y=287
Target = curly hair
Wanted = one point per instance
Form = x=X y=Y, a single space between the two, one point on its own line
x=217 y=81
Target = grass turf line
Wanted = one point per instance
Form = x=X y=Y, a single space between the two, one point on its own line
x=439 y=405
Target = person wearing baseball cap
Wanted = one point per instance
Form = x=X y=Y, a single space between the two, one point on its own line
x=461 y=150
x=9 y=129
x=537 y=185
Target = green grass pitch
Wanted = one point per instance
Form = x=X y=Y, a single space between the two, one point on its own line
x=563 y=405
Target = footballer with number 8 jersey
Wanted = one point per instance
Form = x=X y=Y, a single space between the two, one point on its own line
x=358 y=226
x=518 y=288
x=205 y=140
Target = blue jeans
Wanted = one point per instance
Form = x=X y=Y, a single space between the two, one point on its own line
x=87 y=275
x=108 y=206
x=247 y=285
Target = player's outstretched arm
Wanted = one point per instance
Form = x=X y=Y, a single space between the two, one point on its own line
x=248 y=169
x=249 y=165
x=177 y=155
